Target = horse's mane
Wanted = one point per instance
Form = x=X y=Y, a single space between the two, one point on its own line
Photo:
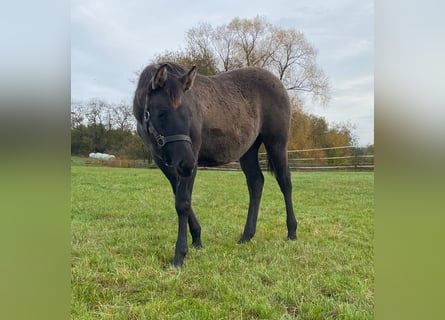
x=171 y=87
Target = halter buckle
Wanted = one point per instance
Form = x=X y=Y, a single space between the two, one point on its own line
x=160 y=141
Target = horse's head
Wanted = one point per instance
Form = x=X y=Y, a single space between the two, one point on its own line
x=165 y=122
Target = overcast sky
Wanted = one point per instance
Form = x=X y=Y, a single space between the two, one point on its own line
x=111 y=39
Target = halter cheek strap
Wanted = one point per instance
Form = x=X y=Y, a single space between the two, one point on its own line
x=162 y=141
x=159 y=138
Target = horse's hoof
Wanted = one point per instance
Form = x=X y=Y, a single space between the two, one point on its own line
x=178 y=261
x=243 y=240
x=197 y=246
x=177 y=264
x=292 y=237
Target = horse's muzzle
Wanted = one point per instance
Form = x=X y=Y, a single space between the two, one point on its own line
x=181 y=156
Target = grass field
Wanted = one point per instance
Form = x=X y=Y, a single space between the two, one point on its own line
x=124 y=231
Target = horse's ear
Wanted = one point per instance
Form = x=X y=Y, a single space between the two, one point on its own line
x=188 y=79
x=159 y=78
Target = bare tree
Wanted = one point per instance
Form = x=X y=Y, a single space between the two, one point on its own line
x=198 y=40
x=224 y=44
x=251 y=40
x=122 y=116
x=95 y=111
x=255 y=42
x=77 y=114
x=293 y=59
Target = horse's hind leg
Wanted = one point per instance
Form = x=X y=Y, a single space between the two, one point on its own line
x=255 y=181
x=278 y=162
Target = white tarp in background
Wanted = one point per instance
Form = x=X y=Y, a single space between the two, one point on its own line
x=101 y=156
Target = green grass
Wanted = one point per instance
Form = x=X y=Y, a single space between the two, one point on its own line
x=124 y=231
x=78 y=161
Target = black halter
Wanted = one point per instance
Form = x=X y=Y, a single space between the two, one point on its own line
x=159 y=138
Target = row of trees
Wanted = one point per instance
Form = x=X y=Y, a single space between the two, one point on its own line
x=98 y=126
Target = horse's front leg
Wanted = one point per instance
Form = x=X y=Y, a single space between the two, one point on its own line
x=183 y=204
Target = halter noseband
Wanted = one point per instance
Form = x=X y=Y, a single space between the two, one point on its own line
x=161 y=140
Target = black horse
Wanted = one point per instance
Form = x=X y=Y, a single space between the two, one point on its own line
x=187 y=120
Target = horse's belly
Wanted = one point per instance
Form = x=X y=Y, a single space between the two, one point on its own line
x=212 y=159
x=221 y=147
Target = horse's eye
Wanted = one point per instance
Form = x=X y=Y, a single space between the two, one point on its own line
x=146 y=115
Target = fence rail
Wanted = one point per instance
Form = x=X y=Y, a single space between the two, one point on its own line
x=349 y=158
x=319 y=159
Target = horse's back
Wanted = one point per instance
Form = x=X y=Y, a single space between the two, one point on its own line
x=261 y=91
